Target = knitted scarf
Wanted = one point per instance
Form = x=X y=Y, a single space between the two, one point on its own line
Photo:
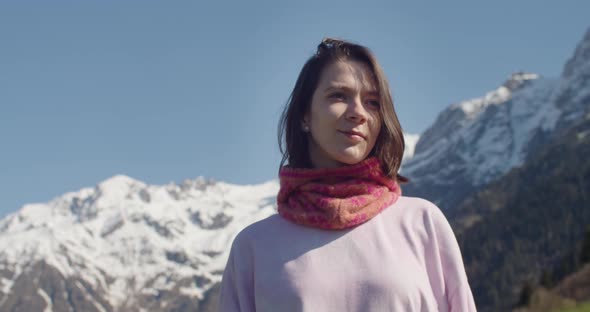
x=335 y=198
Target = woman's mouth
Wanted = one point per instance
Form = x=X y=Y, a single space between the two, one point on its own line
x=354 y=136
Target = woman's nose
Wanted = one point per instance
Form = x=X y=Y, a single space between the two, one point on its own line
x=356 y=111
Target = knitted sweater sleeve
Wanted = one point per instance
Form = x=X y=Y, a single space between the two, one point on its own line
x=236 y=293
x=458 y=292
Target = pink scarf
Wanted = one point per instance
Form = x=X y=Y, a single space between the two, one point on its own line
x=335 y=198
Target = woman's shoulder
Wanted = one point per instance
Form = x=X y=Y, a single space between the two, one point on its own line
x=260 y=230
x=417 y=202
x=417 y=205
x=420 y=212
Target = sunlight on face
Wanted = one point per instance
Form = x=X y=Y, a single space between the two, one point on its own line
x=343 y=118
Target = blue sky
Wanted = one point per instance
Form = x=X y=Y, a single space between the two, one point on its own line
x=165 y=91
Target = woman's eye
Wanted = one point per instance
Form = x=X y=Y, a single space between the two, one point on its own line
x=339 y=96
x=374 y=103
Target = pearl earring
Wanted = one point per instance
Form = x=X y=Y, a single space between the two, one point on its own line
x=305 y=128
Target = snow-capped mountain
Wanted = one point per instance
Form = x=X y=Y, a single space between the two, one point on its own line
x=476 y=141
x=124 y=245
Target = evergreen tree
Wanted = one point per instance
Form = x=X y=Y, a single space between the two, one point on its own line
x=585 y=253
x=525 y=294
x=546 y=279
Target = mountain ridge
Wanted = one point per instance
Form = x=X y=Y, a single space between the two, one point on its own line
x=476 y=141
x=125 y=239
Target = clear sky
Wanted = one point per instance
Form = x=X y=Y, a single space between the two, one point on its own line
x=170 y=90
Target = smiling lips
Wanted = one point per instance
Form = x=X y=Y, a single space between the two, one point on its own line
x=354 y=135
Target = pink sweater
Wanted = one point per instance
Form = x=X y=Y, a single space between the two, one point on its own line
x=404 y=259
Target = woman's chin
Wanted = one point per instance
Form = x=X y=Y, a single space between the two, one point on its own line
x=351 y=159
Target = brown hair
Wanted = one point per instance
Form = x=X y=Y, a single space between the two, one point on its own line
x=293 y=142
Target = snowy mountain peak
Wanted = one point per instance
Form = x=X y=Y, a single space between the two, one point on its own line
x=518 y=79
x=200 y=183
x=119 y=184
x=473 y=107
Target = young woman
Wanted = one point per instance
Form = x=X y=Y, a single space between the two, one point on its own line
x=344 y=238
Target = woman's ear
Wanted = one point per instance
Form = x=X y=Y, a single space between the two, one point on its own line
x=305 y=123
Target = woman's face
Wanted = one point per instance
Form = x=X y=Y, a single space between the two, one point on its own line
x=343 y=119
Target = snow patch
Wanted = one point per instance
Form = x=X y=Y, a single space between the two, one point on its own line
x=6 y=285
x=191 y=292
x=48 y=303
x=410 y=141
